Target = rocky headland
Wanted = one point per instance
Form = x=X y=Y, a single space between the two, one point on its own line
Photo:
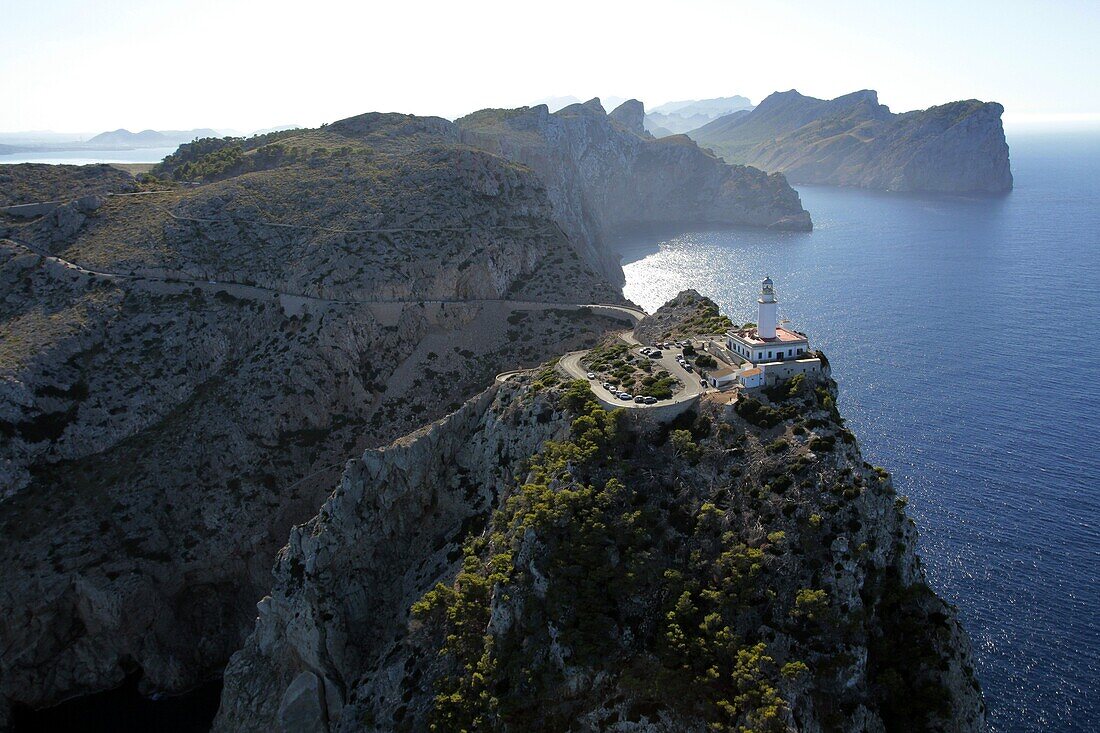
x=853 y=140
x=534 y=562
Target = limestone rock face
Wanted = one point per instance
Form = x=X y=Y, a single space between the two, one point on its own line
x=688 y=314
x=855 y=141
x=604 y=179
x=344 y=583
x=335 y=648
x=631 y=115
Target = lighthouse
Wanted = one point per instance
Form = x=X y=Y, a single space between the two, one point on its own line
x=768 y=306
x=769 y=352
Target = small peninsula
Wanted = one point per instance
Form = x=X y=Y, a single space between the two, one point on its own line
x=541 y=561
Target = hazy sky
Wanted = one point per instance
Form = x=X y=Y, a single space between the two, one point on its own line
x=78 y=65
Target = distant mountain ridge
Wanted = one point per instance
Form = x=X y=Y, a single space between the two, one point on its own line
x=149 y=138
x=853 y=140
x=675 y=118
x=606 y=176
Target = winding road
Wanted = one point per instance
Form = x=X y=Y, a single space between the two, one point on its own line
x=570 y=363
x=243 y=290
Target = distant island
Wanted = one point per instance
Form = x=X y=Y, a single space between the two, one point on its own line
x=149 y=138
x=853 y=140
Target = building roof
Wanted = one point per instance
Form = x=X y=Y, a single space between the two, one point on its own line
x=782 y=336
x=751 y=372
x=723 y=372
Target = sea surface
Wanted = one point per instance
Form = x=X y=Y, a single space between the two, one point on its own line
x=964 y=333
x=84 y=157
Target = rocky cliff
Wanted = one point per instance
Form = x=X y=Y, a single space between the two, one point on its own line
x=534 y=562
x=183 y=375
x=606 y=176
x=855 y=141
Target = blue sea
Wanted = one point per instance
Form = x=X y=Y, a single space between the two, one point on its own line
x=964 y=333
x=86 y=157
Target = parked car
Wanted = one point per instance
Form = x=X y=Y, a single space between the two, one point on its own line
x=640 y=399
x=703 y=383
x=646 y=350
x=655 y=355
x=626 y=396
x=688 y=367
x=651 y=400
x=591 y=375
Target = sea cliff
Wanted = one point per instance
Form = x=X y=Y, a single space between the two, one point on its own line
x=534 y=562
x=853 y=140
x=605 y=176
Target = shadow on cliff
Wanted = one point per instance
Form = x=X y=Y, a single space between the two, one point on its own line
x=125 y=709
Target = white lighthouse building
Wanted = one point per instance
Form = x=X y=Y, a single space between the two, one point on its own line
x=771 y=351
x=768 y=317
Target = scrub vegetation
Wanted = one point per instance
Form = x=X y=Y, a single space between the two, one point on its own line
x=678 y=573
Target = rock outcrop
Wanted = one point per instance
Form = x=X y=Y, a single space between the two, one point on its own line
x=747 y=568
x=605 y=179
x=631 y=115
x=855 y=141
x=397 y=517
x=687 y=315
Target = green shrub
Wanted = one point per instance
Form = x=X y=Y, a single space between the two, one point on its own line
x=810 y=604
x=683 y=443
x=755 y=412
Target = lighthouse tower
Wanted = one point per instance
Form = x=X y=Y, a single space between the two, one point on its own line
x=768 y=317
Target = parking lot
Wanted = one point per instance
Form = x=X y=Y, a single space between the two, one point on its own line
x=685 y=373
